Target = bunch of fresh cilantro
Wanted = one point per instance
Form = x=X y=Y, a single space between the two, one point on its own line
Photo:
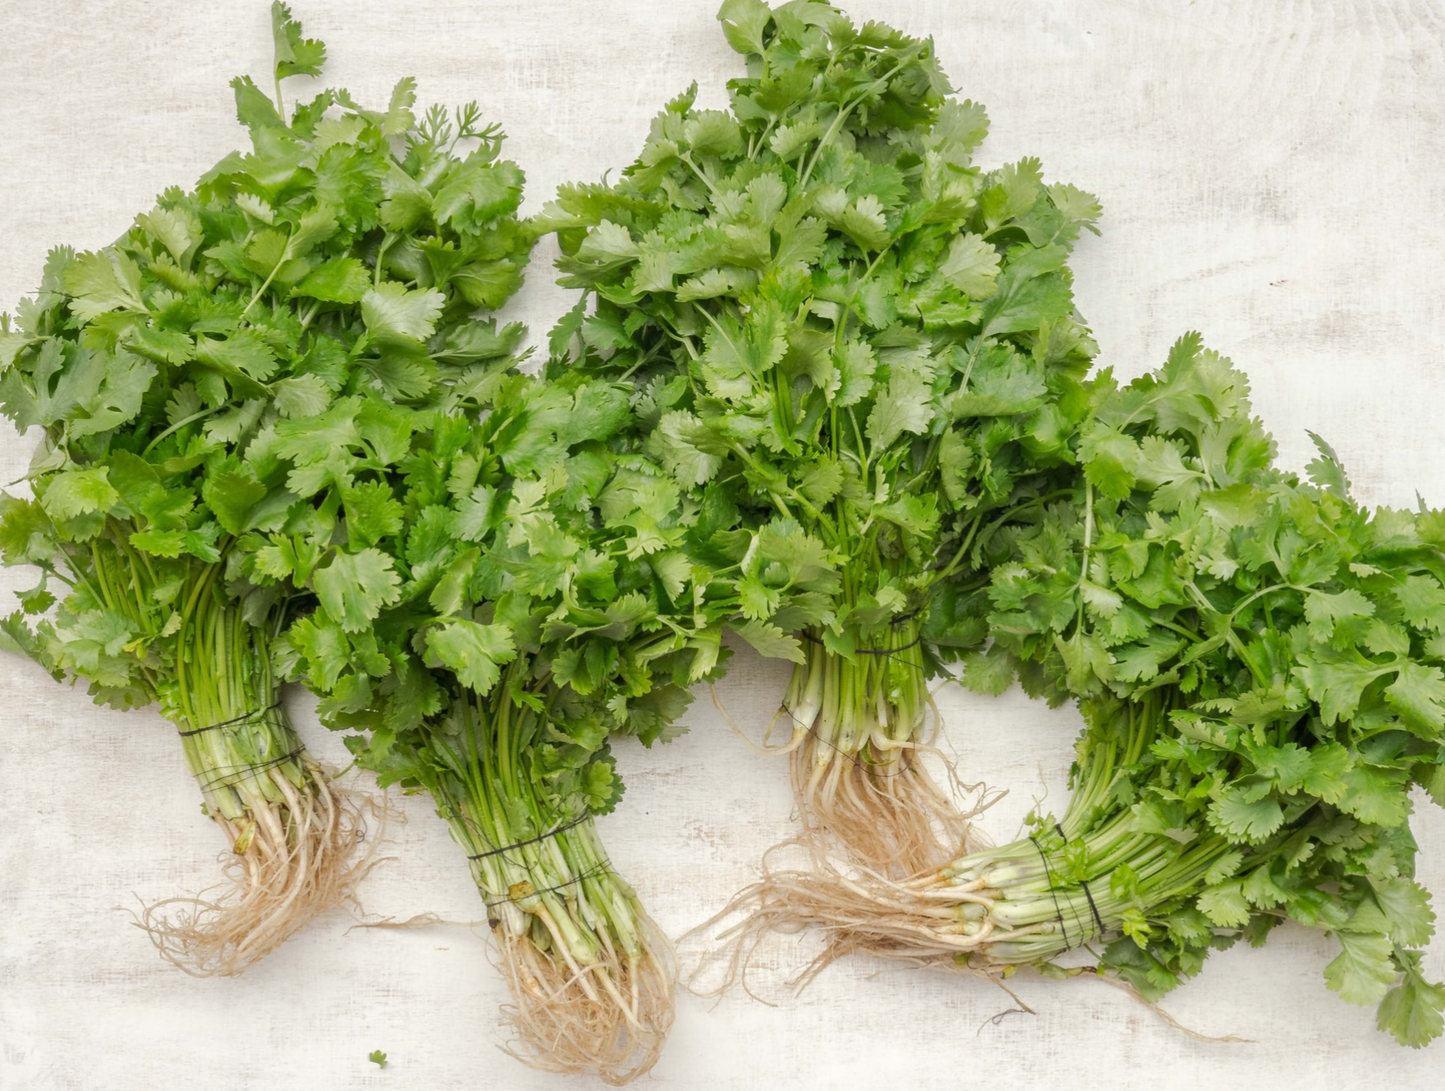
x=543 y=600
x=1260 y=667
x=220 y=391
x=833 y=320
x=1259 y=663
x=517 y=635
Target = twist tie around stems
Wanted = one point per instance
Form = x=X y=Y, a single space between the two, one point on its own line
x=1048 y=872
x=227 y=776
x=592 y=872
x=531 y=840
x=899 y=620
x=1084 y=883
x=904 y=766
x=243 y=718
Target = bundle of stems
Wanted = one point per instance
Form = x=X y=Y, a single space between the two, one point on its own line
x=296 y=836
x=144 y=628
x=591 y=974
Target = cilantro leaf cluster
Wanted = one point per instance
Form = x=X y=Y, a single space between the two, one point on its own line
x=220 y=394
x=1259 y=663
x=542 y=594
x=832 y=317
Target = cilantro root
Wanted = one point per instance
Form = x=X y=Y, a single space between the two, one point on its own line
x=292 y=861
x=857 y=737
x=608 y=1015
x=1018 y=903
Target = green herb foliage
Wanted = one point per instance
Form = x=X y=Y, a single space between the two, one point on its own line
x=225 y=385
x=1259 y=664
x=545 y=599
x=526 y=564
x=831 y=317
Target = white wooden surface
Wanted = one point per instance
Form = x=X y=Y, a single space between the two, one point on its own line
x=1270 y=175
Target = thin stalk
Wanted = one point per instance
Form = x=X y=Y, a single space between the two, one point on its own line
x=591 y=976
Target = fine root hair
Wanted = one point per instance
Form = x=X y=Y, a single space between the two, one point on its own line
x=608 y=1017
x=299 y=859
x=854 y=910
x=891 y=816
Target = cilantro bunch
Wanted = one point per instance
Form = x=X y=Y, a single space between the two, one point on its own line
x=832 y=317
x=1260 y=667
x=548 y=587
x=218 y=392
x=542 y=600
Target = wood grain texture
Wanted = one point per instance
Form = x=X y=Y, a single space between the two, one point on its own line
x=1270 y=176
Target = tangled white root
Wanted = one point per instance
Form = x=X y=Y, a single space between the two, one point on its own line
x=894 y=818
x=856 y=910
x=304 y=857
x=890 y=816
x=607 y=1018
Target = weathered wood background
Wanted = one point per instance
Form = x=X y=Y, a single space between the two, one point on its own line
x=1271 y=176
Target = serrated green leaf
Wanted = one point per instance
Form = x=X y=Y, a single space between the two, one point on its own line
x=743 y=23
x=295 y=55
x=1411 y=1012
x=1363 y=970
x=354 y=587
x=79 y=492
x=393 y=312
x=1225 y=904
x=335 y=280
x=231 y=495
x=1244 y=820
x=475 y=653
x=769 y=641
x=971 y=265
